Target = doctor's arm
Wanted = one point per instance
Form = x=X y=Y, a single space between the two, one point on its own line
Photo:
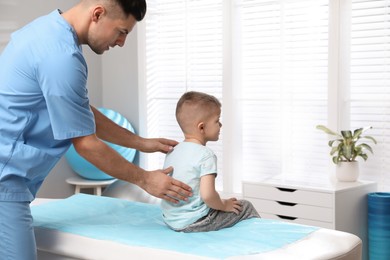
x=156 y=183
x=109 y=131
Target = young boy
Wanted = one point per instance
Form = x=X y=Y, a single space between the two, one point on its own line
x=198 y=115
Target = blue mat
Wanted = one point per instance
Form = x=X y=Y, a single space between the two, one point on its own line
x=140 y=224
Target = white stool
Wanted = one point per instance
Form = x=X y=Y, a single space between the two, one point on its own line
x=81 y=183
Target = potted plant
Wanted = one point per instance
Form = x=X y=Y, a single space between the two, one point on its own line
x=345 y=149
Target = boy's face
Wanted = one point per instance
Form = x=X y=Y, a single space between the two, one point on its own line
x=212 y=126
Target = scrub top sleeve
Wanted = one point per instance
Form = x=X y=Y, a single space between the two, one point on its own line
x=63 y=80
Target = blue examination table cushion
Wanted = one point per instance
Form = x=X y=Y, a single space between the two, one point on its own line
x=140 y=224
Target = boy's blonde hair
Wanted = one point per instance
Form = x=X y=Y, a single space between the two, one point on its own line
x=194 y=107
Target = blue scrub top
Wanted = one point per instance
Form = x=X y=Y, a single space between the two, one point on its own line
x=43 y=103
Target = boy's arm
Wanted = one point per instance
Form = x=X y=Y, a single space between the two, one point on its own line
x=212 y=199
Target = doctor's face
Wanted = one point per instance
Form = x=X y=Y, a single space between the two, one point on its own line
x=109 y=32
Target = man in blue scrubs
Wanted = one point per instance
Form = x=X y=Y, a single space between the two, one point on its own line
x=44 y=108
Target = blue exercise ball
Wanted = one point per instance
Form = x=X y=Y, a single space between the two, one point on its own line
x=87 y=170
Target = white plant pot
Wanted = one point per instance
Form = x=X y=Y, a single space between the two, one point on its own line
x=347 y=171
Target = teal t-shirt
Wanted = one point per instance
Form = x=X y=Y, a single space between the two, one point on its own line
x=43 y=103
x=190 y=162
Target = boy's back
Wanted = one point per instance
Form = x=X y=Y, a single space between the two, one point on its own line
x=190 y=162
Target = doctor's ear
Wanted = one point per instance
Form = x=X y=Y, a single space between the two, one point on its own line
x=97 y=13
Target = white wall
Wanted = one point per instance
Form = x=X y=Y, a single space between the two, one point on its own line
x=120 y=79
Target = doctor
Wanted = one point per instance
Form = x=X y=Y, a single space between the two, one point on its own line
x=44 y=108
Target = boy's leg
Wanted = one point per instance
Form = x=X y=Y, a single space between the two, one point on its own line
x=220 y=219
x=17 y=240
x=217 y=219
x=248 y=211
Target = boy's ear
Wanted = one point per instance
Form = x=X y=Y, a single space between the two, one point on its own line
x=201 y=127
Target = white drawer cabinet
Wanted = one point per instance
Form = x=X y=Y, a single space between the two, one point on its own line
x=340 y=205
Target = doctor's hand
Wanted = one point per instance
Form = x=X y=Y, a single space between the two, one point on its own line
x=159 y=184
x=150 y=145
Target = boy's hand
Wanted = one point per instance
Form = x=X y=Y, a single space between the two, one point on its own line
x=232 y=205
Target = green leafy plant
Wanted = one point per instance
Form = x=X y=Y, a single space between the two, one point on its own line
x=346 y=147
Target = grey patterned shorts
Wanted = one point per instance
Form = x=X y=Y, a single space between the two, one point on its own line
x=217 y=219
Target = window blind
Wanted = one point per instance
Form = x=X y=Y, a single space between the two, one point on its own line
x=369 y=82
x=183 y=53
x=282 y=91
x=284 y=77
x=284 y=54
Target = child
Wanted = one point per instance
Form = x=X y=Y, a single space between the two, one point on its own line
x=198 y=115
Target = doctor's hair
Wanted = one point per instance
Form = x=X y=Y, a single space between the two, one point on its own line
x=136 y=8
x=193 y=105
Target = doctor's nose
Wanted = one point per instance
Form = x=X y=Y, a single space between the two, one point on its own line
x=121 y=40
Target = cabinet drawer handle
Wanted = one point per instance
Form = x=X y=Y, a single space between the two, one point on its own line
x=286 y=203
x=286 y=217
x=286 y=189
